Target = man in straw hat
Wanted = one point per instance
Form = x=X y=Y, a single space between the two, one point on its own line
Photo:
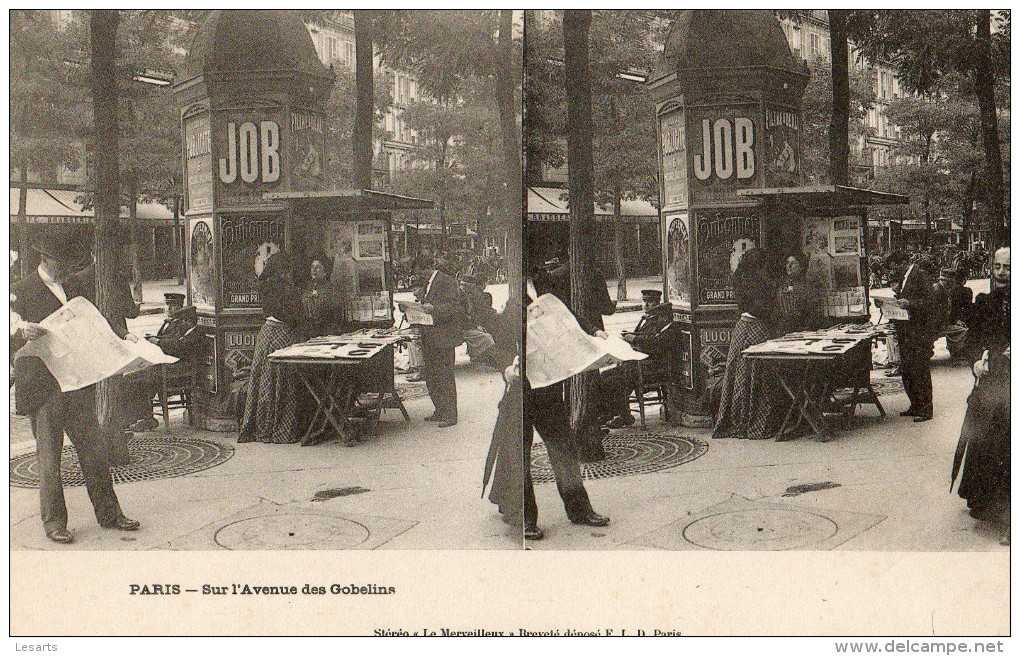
x=38 y=395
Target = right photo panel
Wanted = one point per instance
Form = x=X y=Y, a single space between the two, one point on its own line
x=767 y=280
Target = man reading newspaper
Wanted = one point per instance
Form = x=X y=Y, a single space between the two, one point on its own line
x=57 y=407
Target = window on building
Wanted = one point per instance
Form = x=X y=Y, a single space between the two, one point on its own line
x=349 y=57
x=815 y=45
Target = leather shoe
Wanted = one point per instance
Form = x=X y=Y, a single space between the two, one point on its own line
x=60 y=536
x=591 y=518
x=909 y=412
x=919 y=418
x=446 y=423
x=533 y=533
x=122 y=523
x=433 y=418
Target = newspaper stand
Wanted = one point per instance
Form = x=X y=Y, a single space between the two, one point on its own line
x=728 y=92
x=252 y=94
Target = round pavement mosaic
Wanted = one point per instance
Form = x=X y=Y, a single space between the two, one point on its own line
x=411 y=391
x=151 y=458
x=292 y=531
x=886 y=386
x=760 y=529
x=627 y=454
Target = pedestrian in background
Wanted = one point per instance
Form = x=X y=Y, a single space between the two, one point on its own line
x=925 y=308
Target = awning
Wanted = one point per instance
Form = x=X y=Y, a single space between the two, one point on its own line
x=824 y=198
x=346 y=201
x=551 y=204
x=60 y=206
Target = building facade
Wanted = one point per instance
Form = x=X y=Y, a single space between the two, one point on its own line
x=810 y=42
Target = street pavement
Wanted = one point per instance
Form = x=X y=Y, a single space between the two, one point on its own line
x=416 y=486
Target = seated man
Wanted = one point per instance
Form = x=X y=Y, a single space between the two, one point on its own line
x=649 y=336
x=479 y=320
x=177 y=337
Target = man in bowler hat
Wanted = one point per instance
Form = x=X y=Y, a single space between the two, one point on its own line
x=38 y=395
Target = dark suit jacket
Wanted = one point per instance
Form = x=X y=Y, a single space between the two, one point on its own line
x=33 y=300
x=448 y=315
x=33 y=382
x=923 y=303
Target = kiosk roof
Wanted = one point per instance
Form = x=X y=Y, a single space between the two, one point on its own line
x=824 y=197
x=349 y=200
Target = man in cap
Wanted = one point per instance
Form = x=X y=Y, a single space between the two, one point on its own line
x=649 y=336
x=52 y=412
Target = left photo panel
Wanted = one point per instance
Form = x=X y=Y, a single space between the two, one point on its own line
x=265 y=280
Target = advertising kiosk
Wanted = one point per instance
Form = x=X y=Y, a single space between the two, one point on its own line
x=728 y=93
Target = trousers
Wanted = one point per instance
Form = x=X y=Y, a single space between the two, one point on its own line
x=546 y=412
x=916 y=351
x=437 y=369
x=75 y=414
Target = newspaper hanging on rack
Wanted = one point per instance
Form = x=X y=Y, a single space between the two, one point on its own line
x=80 y=349
x=557 y=347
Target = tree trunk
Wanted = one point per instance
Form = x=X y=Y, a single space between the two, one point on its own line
x=103 y=40
x=621 y=269
x=444 y=239
x=23 y=248
x=136 y=230
x=364 y=114
x=839 y=127
x=179 y=265
x=984 y=84
x=583 y=388
x=968 y=208
x=507 y=83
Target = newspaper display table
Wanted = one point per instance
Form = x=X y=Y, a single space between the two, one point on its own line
x=337 y=370
x=811 y=366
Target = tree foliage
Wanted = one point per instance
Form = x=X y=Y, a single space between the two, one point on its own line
x=47 y=90
x=816 y=110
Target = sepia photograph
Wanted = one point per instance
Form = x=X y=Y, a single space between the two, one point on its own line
x=800 y=166
x=257 y=196
x=582 y=322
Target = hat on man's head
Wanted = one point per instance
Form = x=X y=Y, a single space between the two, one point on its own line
x=651 y=295
x=66 y=249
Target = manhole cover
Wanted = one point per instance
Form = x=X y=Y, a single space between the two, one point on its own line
x=151 y=458
x=292 y=531
x=626 y=455
x=411 y=391
x=760 y=529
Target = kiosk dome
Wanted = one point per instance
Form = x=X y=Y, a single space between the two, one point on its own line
x=247 y=41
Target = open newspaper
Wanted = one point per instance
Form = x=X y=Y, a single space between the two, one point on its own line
x=80 y=349
x=892 y=309
x=557 y=347
x=415 y=313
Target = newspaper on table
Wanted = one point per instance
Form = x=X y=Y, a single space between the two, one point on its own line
x=557 y=347
x=80 y=349
x=415 y=313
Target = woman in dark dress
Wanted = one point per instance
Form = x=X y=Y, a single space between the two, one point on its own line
x=982 y=458
x=323 y=301
x=750 y=401
x=274 y=408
